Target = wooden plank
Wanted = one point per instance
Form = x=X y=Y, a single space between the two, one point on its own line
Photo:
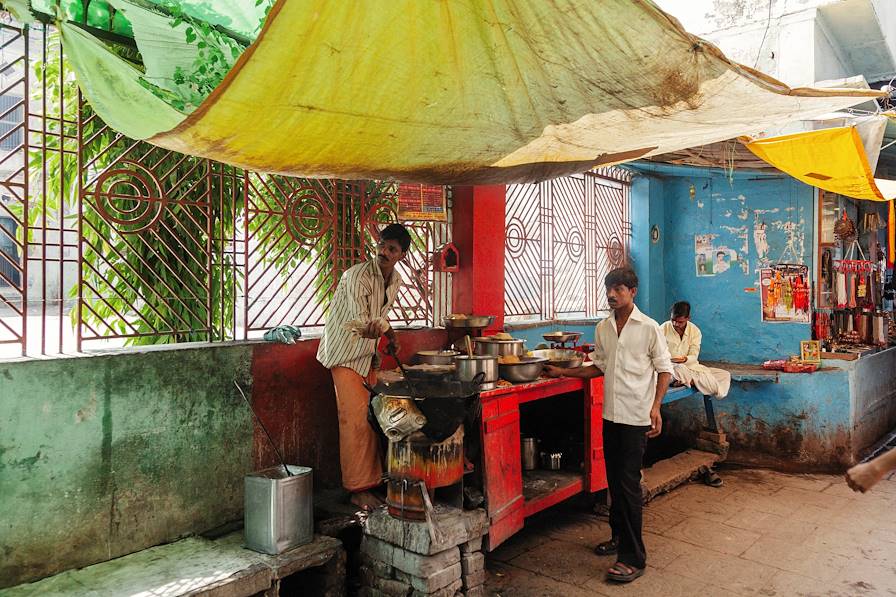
x=543 y=489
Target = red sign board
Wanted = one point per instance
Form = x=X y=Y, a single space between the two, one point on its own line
x=422 y=202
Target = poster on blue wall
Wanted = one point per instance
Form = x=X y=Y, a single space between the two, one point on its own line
x=785 y=293
x=711 y=260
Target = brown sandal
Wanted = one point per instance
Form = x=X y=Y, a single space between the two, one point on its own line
x=624 y=578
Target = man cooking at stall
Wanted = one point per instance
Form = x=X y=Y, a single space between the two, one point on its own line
x=348 y=348
x=631 y=353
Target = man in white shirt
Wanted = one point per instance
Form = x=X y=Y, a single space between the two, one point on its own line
x=365 y=294
x=683 y=339
x=630 y=351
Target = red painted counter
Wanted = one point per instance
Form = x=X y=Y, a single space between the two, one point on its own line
x=511 y=495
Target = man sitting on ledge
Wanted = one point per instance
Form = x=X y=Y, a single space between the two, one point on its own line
x=683 y=338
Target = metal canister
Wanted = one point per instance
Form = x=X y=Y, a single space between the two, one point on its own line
x=529 y=451
x=279 y=513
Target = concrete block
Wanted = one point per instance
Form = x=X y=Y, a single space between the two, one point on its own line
x=393 y=588
x=380 y=569
x=368 y=577
x=407 y=561
x=711 y=436
x=474 y=580
x=454 y=527
x=471 y=546
x=448 y=591
x=433 y=583
x=713 y=447
x=472 y=562
x=475 y=591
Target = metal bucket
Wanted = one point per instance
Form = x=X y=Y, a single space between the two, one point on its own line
x=279 y=512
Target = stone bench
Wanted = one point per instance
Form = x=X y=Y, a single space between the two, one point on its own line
x=211 y=568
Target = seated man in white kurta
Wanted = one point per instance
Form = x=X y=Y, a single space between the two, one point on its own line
x=683 y=338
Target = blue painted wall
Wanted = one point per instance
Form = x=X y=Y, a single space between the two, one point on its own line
x=800 y=423
x=731 y=210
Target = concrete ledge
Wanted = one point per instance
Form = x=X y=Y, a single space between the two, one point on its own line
x=193 y=567
x=666 y=475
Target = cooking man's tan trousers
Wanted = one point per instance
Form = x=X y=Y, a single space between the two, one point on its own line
x=360 y=455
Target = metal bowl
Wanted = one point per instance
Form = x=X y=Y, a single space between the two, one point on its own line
x=528 y=369
x=562 y=336
x=470 y=322
x=559 y=357
x=437 y=357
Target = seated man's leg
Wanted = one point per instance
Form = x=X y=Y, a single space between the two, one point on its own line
x=360 y=456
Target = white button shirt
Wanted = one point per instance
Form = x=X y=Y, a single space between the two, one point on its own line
x=630 y=363
x=686 y=345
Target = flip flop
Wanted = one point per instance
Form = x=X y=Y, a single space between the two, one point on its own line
x=607 y=548
x=624 y=578
x=712 y=479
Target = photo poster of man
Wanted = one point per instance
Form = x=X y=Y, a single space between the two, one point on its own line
x=785 y=293
x=711 y=260
x=704 y=254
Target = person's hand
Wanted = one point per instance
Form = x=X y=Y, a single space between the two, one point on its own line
x=553 y=371
x=679 y=359
x=371 y=331
x=863 y=477
x=656 y=423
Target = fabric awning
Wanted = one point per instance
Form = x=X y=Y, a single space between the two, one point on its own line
x=458 y=91
x=832 y=159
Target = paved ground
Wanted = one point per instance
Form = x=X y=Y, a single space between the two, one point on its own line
x=763 y=533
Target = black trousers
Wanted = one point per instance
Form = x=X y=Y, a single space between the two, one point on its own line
x=623 y=453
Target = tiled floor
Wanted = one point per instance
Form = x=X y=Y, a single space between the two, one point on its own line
x=762 y=533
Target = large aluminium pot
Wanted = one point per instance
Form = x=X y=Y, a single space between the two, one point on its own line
x=500 y=348
x=469 y=367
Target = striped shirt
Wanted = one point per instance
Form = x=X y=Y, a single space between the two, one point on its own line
x=362 y=295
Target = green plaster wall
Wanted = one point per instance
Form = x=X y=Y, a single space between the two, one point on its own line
x=106 y=455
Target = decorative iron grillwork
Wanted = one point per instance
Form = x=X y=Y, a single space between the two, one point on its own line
x=120 y=241
x=562 y=237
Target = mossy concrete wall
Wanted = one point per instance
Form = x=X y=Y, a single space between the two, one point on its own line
x=105 y=455
x=101 y=456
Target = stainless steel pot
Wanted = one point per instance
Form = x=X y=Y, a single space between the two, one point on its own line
x=468 y=367
x=500 y=348
x=529 y=453
x=437 y=357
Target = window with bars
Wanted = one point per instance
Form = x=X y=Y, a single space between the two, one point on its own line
x=562 y=237
x=12 y=113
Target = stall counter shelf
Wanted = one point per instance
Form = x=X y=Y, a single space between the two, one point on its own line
x=513 y=495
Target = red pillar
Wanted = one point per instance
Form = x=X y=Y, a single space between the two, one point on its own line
x=478 y=234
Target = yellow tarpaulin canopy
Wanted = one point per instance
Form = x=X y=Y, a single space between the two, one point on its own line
x=455 y=91
x=832 y=159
